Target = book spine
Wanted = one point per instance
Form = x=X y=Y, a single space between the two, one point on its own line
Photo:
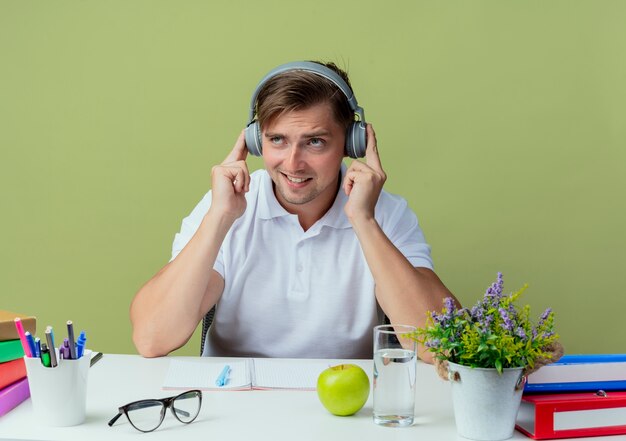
x=7 y=325
x=11 y=371
x=583 y=386
x=13 y=395
x=591 y=358
x=10 y=350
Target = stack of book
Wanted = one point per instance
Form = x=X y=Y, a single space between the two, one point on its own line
x=13 y=381
x=578 y=396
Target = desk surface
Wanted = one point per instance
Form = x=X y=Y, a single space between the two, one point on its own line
x=256 y=415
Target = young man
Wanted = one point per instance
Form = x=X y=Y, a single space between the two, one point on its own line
x=301 y=259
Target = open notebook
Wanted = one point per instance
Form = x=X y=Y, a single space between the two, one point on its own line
x=249 y=373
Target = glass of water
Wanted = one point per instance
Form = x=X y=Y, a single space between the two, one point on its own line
x=395 y=362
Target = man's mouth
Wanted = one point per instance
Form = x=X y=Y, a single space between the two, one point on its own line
x=296 y=180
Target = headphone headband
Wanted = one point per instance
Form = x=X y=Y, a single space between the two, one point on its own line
x=316 y=68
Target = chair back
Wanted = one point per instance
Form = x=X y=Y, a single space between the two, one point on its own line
x=206 y=324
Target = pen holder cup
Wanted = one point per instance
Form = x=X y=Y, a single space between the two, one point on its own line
x=59 y=394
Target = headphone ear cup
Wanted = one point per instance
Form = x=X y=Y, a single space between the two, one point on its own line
x=356 y=140
x=252 y=135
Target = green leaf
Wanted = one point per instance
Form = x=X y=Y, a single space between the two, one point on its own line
x=499 y=365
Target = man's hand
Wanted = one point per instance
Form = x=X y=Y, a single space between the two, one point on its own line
x=363 y=182
x=230 y=181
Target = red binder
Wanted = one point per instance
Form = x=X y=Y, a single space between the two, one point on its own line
x=572 y=415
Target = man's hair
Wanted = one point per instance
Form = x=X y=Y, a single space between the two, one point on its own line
x=298 y=90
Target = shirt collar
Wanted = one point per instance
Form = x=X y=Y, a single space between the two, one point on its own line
x=270 y=208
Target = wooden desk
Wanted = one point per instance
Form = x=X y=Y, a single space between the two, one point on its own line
x=246 y=415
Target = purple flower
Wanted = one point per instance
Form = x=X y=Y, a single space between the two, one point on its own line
x=520 y=333
x=449 y=305
x=483 y=323
x=476 y=313
x=433 y=343
x=507 y=323
x=544 y=317
x=488 y=321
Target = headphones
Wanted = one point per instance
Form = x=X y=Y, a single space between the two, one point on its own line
x=356 y=140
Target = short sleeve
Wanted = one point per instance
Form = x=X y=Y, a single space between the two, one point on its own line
x=401 y=226
x=188 y=228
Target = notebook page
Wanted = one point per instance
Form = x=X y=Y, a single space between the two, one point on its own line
x=288 y=374
x=183 y=374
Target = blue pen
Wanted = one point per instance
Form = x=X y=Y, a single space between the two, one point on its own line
x=80 y=344
x=37 y=347
x=31 y=343
x=222 y=379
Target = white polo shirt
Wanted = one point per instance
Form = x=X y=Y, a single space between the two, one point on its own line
x=293 y=293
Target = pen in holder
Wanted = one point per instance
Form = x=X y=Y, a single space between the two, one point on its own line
x=59 y=394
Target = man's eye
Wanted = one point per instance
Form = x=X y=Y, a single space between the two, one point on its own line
x=316 y=142
x=276 y=140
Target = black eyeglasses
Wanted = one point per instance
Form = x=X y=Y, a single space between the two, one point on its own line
x=147 y=415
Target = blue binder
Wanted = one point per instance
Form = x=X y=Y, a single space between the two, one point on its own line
x=581 y=385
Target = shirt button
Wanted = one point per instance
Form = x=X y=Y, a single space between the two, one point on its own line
x=299 y=268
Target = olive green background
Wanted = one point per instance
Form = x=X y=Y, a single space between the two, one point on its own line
x=502 y=123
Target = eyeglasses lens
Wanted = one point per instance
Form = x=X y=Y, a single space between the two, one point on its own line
x=146 y=415
x=186 y=406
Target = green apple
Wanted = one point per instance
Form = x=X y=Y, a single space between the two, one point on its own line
x=343 y=389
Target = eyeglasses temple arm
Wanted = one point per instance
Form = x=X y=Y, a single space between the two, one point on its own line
x=115 y=418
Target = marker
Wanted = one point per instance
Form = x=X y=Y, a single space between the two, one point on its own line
x=37 y=347
x=66 y=349
x=80 y=344
x=45 y=355
x=53 y=352
x=49 y=328
x=31 y=344
x=20 y=332
x=72 y=342
x=222 y=379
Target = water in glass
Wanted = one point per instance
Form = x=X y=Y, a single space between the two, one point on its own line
x=394 y=387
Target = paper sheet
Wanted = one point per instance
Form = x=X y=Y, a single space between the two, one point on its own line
x=184 y=374
x=287 y=374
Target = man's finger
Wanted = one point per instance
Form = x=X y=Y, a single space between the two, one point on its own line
x=239 y=151
x=239 y=183
x=371 y=151
x=347 y=185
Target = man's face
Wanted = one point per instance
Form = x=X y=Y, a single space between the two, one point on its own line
x=302 y=151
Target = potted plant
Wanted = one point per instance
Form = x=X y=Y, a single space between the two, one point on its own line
x=486 y=352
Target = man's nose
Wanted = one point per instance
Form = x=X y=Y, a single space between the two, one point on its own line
x=295 y=156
